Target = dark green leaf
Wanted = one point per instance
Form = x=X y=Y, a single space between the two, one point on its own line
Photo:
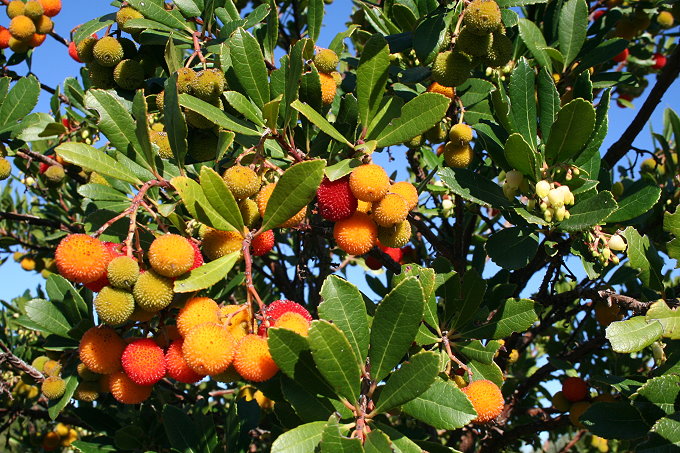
x=19 y=102
x=377 y=442
x=174 y=120
x=513 y=315
x=523 y=102
x=56 y=406
x=512 y=248
x=198 y=205
x=93 y=26
x=521 y=157
x=180 y=429
x=155 y=11
x=372 y=77
x=206 y=275
x=473 y=187
x=644 y=257
x=314 y=18
x=571 y=131
x=535 y=42
x=333 y=441
x=443 y=406
x=249 y=67
x=221 y=198
x=320 y=122
x=664 y=436
x=636 y=204
x=417 y=116
x=590 y=212
x=216 y=115
x=633 y=334
x=548 y=102
x=241 y=104
x=572 y=29
x=616 y=420
x=90 y=158
x=408 y=382
x=428 y=36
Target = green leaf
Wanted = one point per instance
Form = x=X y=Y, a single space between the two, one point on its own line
x=428 y=36
x=342 y=168
x=548 y=102
x=395 y=325
x=465 y=298
x=535 y=42
x=206 y=275
x=377 y=442
x=249 y=67
x=198 y=205
x=55 y=407
x=442 y=406
x=155 y=11
x=513 y=315
x=571 y=131
x=512 y=248
x=19 y=102
x=332 y=440
x=473 y=187
x=294 y=190
x=604 y=52
x=633 y=334
x=644 y=257
x=475 y=350
x=89 y=447
x=372 y=77
x=615 y=420
x=669 y=318
x=272 y=31
x=523 y=102
x=521 y=157
x=180 y=429
x=417 y=116
x=216 y=115
x=409 y=381
x=658 y=397
x=175 y=123
x=270 y=111
x=306 y=403
x=221 y=198
x=140 y=111
x=241 y=104
x=90 y=158
x=302 y=439
x=343 y=305
x=320 y=122
x=93 y=26
x=664 y=434
x=335 y=359
x=572 y=29
x=636 y=204
x=590 y=212
x=314 y=18
x=400 y=442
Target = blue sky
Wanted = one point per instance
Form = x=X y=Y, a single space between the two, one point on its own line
x=52 y=65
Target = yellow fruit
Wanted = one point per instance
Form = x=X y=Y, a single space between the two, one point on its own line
x=54 y=175
x=252 y=359
x=395 y=236
x=185 y=77
x=85 y=49
x=61 y=430
x=651 y=165
x=28 y=264
x=460 y=134
x=665 y=19
x=86 y=374
x=51 y=441
x=101 y=349
x=242 y=181
x=123 y=272
x=51 y=368
x=435 y=87
x=33 y=10
x=293 y=321
x=125 y=391
x=458 y=157
x=18 y=46
x=198 y=310
x=369 y=182
x=364 y=206
x=129 y=75
x=356 y=235
x=5 y=169
x=575 y=412
x=153 y=292
x=451 y=68
x=328 y=88
x=262 y=200
x=114 y=306
x=171 y=255
x=482 y=16
x=408 y=191
x=43 y=25
x=392 y=209
x=249 y=212
x=101 y=76
x=108 y=52
x=53 y=387
x=71 y=437
x=15 y=8
x=208 y=85
x=217 y=243
x=236 y=319
x=486 y=398
x=125 y=14
x=22 y=28
x=208 y=348
x=87 y=391
x=326 y=61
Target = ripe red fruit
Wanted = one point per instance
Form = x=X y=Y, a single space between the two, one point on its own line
x=263 y=243
x=177 y=366
x=278 y=308
x=623 y=56
x=394 y=253
x=335 y=199
x=659 y=61
x=115 y=250
x=144 y=362
x=598 y=13
x=625 y=97
x=198 y=257
x=73 y=52
x=574 y=389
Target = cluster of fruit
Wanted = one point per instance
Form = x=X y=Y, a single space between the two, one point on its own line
x=481 y=41
x=29 y=25
x=326 y=62
x=367 y=209
x=457 y=151
x=553 y=200
x=604 y=247
x=575 y=398
x=61 y=436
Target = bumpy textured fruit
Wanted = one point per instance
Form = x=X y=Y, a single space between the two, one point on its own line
x=560 y=403
x=277 y=308
x=54 y=175
x=392 y=209
x=114 y=306
x=81 y=258
x=185 y=76
x=15 y=8
x=472 y=43
x=202 y=146
x=326 y=61
x=236 y=318
x=482 y=16
x=86 y=374
x=85 y=49
x=486 y=398
x=293 y=321
x=101 y=76
x=18 y=46
x=263 y=243
x=53 y=387
x=43 y=25
x=129 y=75
x=51 y=368
x=416 y=142
x=153 y=292
x=51 y=7
x=22 y=28
x=451 y=68
x=208 y=348
x=101 y=349
x=435 y=87
x=335 y=199
x=28 y=264
x=37 y=40
x=242 y=181
x=87 y=392
x=177 y=367
x=108 y=52
x=144 y=361
x=356 y=235
x=249 y=212
x=198 y=310
x=123 y=272
x=460 y=134
x=160 y=139
x=500 y=52
x=575 y=412
x=5 y=168
x=458 y=157
x=125 y=391
x=198 y=256
x=328 y=88
x=208 y=84
x=171 y=255
x=395 y=236
x=217 y=243
x=263 y=198
x=408 y=191
x=39 y=362
x=33 y=9
x=665 y=19
x=5 y=36
x=253 y=361
x=125 y=14
x=369 y=182
x=575 y=389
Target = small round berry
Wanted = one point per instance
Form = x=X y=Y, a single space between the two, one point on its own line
x=616 y=243
x=395 y=236
x=125 y=391
x=217 y=243
x=392 y=209
x=326 y=61
x=575 y=389
x=408 y=191
x=357 y=234
x=252 y=359
x=171 y=255
x=123 y=272
x=176 y=365
x=108 y=52
x=263 y=243
x=242 y=181
x=262 y=200
x=114 y=306
x=81 y=258
x=198 y=310
x=328 y=88
x=153 y=292
x=486 y=398
x=335 y=199
x=53 y=387
x=208 y=348
x=144 y=361
x=458 y=157
x=100 y=350
x=369 y=182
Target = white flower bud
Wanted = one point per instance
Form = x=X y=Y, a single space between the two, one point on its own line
x=616 y=243
x=514 y=178
x=556 y=198
x=542 y=188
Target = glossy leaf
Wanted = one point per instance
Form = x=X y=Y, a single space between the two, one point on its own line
x=377 y=442
x=333 y=440
x=19 y=102
x=155 y=11
x=535 y=42
x=548 y=102
x=174 y=120
x=473 y=187
x=633 y=334
x=302 y=439
x=514 y=315
x=180 y=430
x=590 y=212
x=249 y=67
x=241 y=104
x=521 y=157
x=615 y=420
x=90 y=158
x=636 y=203
x=512 y=248
x=571 y=131
x=319 y=121
x=372 y=77
x=198 y=205
x=408 y=382
x=44 y=314
x=216 y=115
x=523 y=102
x=315 y=9
x=417 y=116
x=669 y=318
x=644 y=257
x=56 y=406
x=221 y=198
x=206 y=275
x=572 y=29
x=443 y=406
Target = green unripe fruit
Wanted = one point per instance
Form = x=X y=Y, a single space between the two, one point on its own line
x=108 y=52
x=87 y=391
x=39 y=362
x=53 y=387
x=5 y=168
x=161 y=140
x=86 y=374
x=153 y=292
x=436 y=134
x=125 y=14
x=123 y=272
x=54 y=175
x=160 y=101
x=202 y=146
x=129 y=75
x=101 y=76
x=500 y=51
x=560 y=402
x=185 y=77
x=114 y=306
x=33 y=10
x=249 y=212
x=242 y=181
x=651 y=165
x=472 y=44
x=451 y=68
x=617 y=189
x=208 y=85
x=15 y=8
x=458 y=157
x=199 y=121
x=51 y=368
x=85 y=49
x=460 y=134
x=415 y=143
x=482 y=16
x=326 y=61
x=397 y=235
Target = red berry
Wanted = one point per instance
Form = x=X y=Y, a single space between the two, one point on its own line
x=73 y=52
x=43 y=167
x=659 y=61
x=198 y=258
x=263 y=243
x=394 y=253
x=114 y=250
x=335 y=199
x=623 y=56
x=144 y=361
x=575 y=389
x=277 y=308
x=598 y=13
